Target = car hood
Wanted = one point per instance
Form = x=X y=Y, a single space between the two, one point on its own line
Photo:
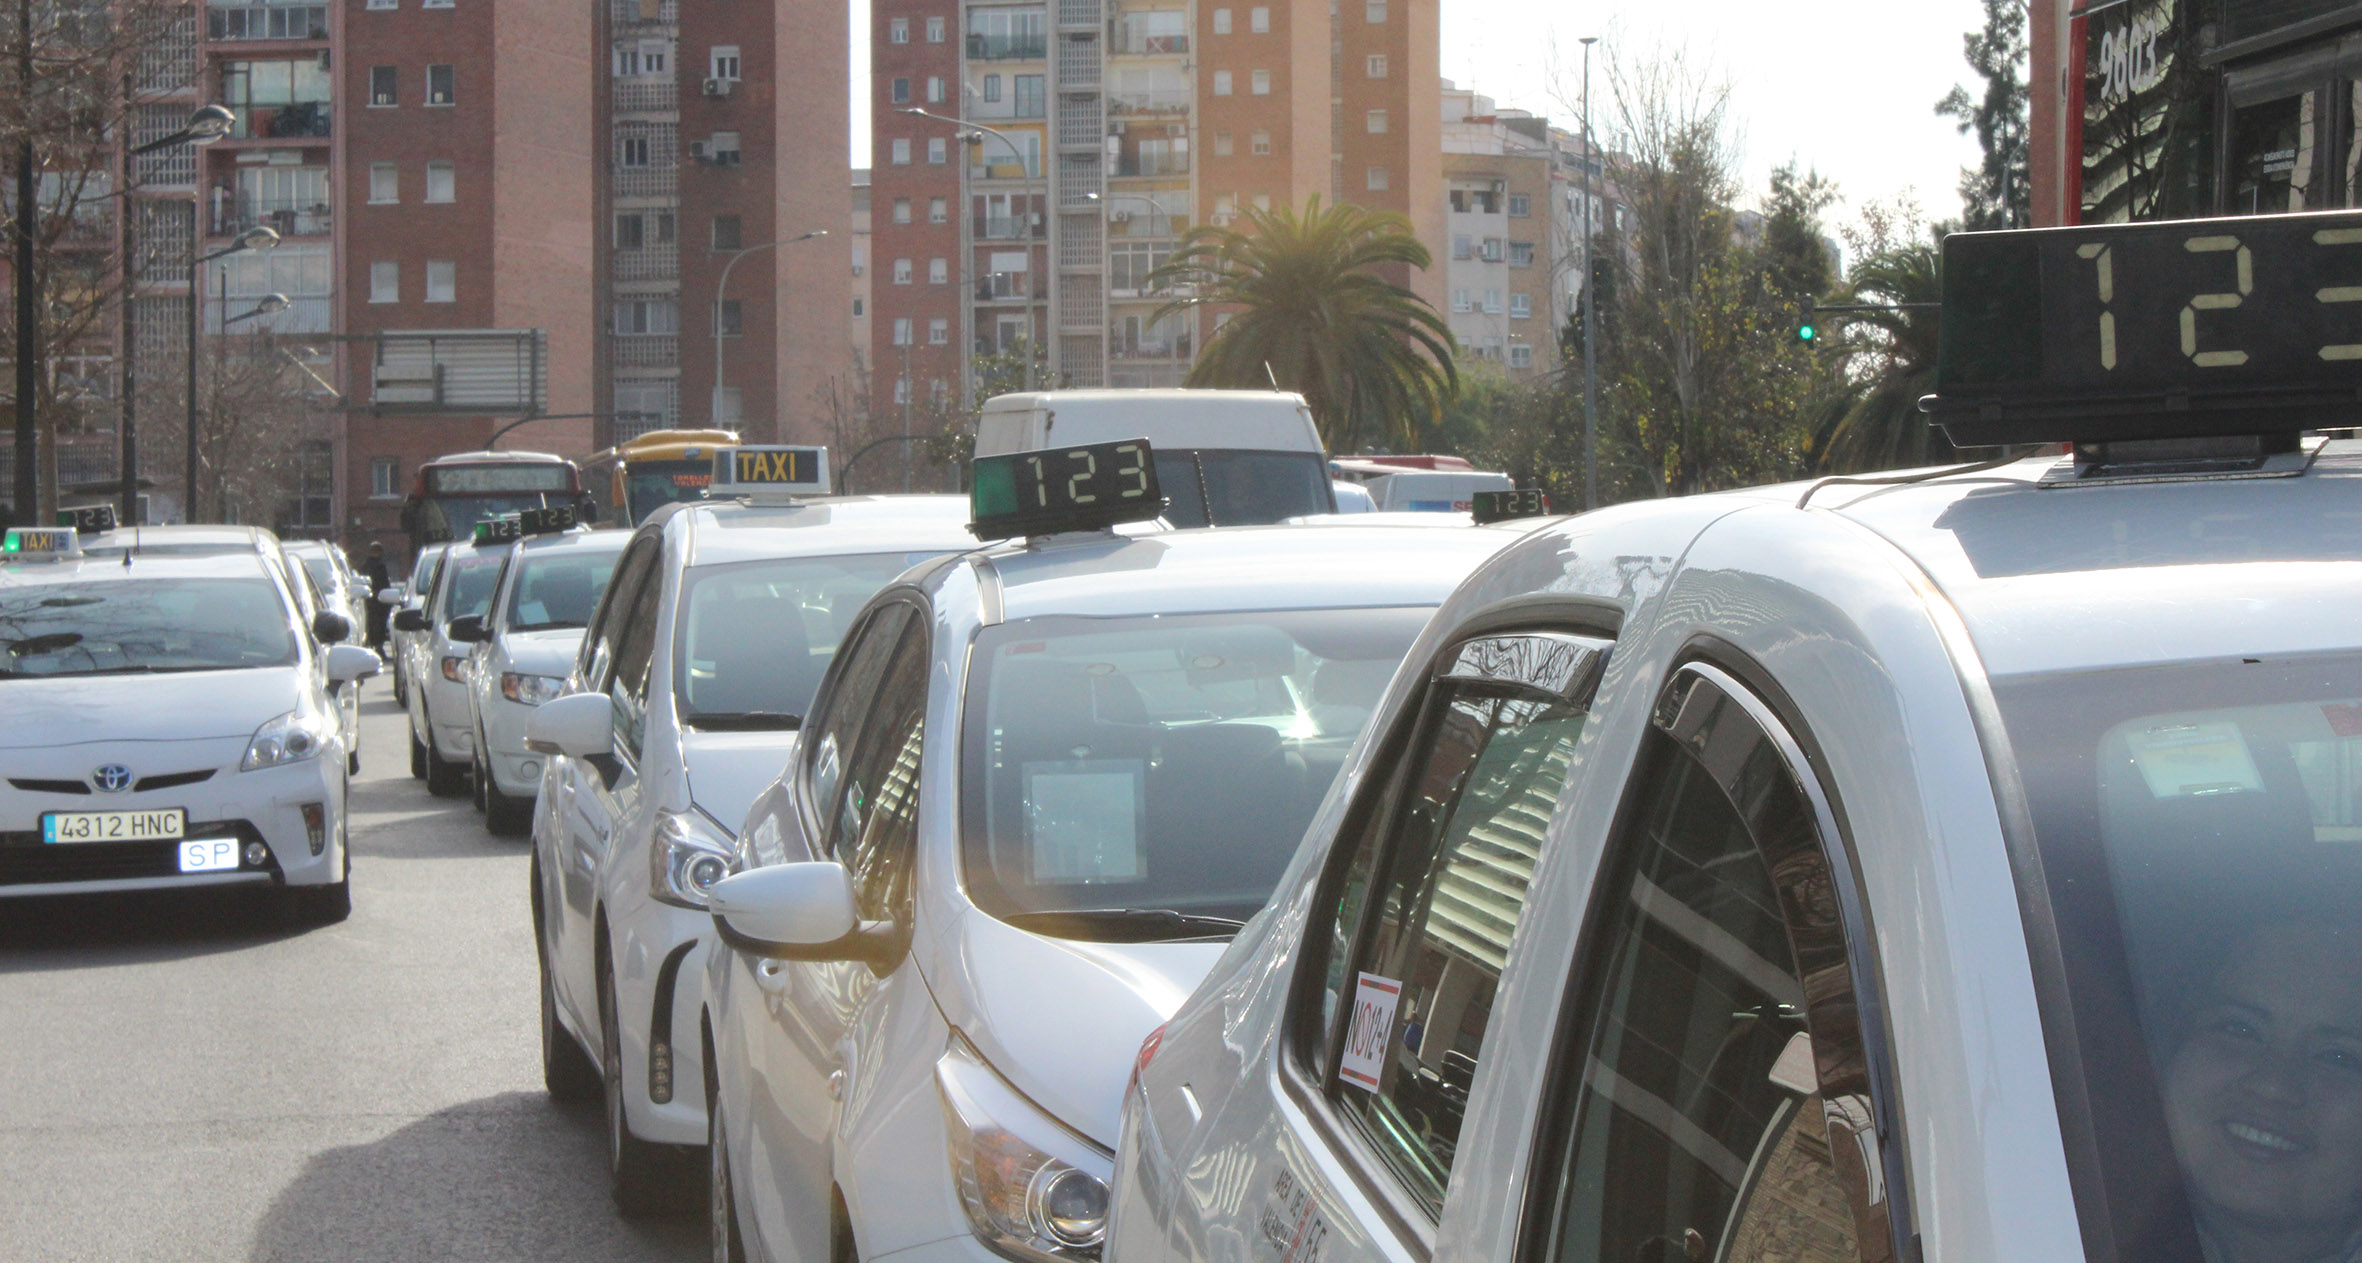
x=728 y=769
x=543 y=652
x=1062 y=1020
x=194 y=706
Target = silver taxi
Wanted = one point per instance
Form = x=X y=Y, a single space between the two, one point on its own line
x=1965 y=867
x=410 y=594
x=442 y=732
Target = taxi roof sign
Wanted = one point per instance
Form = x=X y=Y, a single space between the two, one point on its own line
x=759 y=468
x=549 y=520
x=27 y=543
x=88 y=520
x=1504 y=506
x=2185 y=329
x=1086 y=488
x=505 y=529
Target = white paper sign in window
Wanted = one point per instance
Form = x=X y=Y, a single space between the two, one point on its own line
x=1369 y=1031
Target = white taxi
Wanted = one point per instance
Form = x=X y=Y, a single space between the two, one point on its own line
x=694 y=678
x=169 y=724
x=525 y=645
x=410 y=594
x=1954 y=865
x=442 y=730
x=1043 y=786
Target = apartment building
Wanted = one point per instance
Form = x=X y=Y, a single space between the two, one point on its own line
x=1090 y=135
x=722 y=162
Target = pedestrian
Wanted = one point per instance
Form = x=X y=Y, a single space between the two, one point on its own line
x=379 y=578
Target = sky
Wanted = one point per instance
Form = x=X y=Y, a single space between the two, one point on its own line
x=1847 y=87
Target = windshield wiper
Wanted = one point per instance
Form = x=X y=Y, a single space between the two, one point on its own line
x=1127 y=925
x=145 y=669
x=744 y=721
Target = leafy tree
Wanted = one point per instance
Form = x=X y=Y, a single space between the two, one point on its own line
x=1312 y=313
x=1894 y=360
x=1994 y=193
x=1796 y=261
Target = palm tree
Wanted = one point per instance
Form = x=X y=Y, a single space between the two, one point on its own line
x=1883 y=428
x=1312 y=314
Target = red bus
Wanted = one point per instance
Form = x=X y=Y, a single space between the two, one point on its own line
x=452 y=493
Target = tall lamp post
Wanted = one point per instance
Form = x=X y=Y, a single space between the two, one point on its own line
x=1590 y=309
x=208 y=124
x=974 y=134
x=722 y=287
x=255 y=238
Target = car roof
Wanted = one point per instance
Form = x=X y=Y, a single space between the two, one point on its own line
x=182 y=540
x=1348 y=565
x=608 y=540
x=109 y=569
x=720 y=531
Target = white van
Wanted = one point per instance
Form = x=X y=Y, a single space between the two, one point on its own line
x=1438 y=484
x=1224 y=457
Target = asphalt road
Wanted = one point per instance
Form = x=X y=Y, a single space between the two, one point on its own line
x=184 y=1080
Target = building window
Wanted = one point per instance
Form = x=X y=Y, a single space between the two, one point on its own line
x=1521 y=254
x=900 y=152
x=1221 y=83
x=898 y=31
x=1373 y=10
x=938 y=271
x=899 y=91
x=935 y=30
x=1520 y=205
x=438 y=85
x=382 y=4
x=1379 y=179
x=992 y=88
x=902 y=271
x=1032 y=96
x=901 y=331
x=382 y=85
x=1222 y=144
x=857 y=304
x=385 y=182
x=902 y=210
x=934 y=89
x=1463 y=246
x=385 y=282
x=631 y=151
x=631 y=231
x=938 y=331
x=938 y=150
x=442 y=182
x=1259 y=144
x=1376 y=66
x=438 y=4
x=1221 y=21
x=1376 y=122
x=721 y=149
x=728 y=233
x=1259 y=20
x=1492 y=250
x=385 y=479
x=722 y=63
x=656 y=56
x=442 y=281
x=1263 y=201
x=1259 y=82
x=938 y=210
x=1492 y=302
x=1521 y=356
x=1521 y=307
x=732 y=318
x=902 y=384
x=1460 y=299
x=634 y=316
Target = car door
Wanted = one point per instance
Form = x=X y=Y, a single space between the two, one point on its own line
x=858 y=790
x=1720 y=1085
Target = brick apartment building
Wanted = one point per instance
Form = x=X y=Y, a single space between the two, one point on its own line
x=1103 y=130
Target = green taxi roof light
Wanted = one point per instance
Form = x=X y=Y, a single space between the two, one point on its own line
x=1087 y=488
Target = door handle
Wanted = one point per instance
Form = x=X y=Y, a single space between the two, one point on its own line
x=836 y=1084
x=771 y=975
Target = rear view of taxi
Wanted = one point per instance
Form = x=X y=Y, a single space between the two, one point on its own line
x=1043 y=786
x=1956 y=865
x=169 y=724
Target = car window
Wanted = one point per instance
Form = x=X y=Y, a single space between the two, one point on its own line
x=468 y=590
x=556 y=590
x=852 y=688
x=1431 y=891
x=143 y=626
x=1715 y=1100
x=756 y=637
x=635 y=641
x=876 y=820
x=598 y=650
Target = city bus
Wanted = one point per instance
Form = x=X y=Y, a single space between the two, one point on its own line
x=637 y=477
x=451 y=493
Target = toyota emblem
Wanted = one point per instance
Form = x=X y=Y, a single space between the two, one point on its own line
x=114 y=778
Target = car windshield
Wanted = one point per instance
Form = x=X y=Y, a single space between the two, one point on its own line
x=473 y=577
x=323 y=569
x=422 y=570
x=756 y=636
x=135 y=626
x=2200 y=838
x=1166 y=765
x=1224 y=488
x=559 y=589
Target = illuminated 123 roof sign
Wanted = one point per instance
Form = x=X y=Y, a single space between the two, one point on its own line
x=2179 y=329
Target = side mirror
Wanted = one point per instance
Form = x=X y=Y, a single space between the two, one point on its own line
x=578 y=725
x=468 y=629
x=800 y=911
x=347 y=663
x=410 y=620
x=330 y=627
x=391 y=596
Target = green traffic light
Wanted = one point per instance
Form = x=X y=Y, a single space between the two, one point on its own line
x=1805 y=333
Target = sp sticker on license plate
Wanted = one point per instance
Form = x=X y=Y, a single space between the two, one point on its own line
x=209 y=855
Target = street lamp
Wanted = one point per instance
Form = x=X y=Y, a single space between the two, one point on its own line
x=208 y=123
x=1590 y=308
x=267 y=305
x=722 y=287
x=974 y=134
x=255 y=238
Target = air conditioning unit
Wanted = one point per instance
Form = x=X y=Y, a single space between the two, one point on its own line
x=719 y=87
x=1119 y=217
x=699 y=151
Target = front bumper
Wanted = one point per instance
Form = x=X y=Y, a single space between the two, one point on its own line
x=515 y=769
x=445 y=705
x=659 y=992
x=264 y=807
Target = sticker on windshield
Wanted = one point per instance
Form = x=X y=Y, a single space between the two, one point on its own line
x=2189 y=760
x=1086 y=818
x=2345 y=721
x=1366 y=1036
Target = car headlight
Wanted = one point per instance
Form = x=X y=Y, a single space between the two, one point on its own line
x=1034 y=1190
x=530 y=690
x=689 y=855
x=291 y=738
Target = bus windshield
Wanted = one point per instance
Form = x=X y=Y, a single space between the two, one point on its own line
x=649 y=485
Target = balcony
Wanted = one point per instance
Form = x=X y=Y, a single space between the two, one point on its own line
x=1148 y=101
x=647 y=350
x=296 y=120
x=288 y=219
x=1003 y=287
x=1152 y=45
x=1151 y=165
x=644 y=12
x=1009 y=47
x=652 y=263
x=1079 y=13
x=661 y=181
x=240 y=22
x=1007 y=228
x=647 y=96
